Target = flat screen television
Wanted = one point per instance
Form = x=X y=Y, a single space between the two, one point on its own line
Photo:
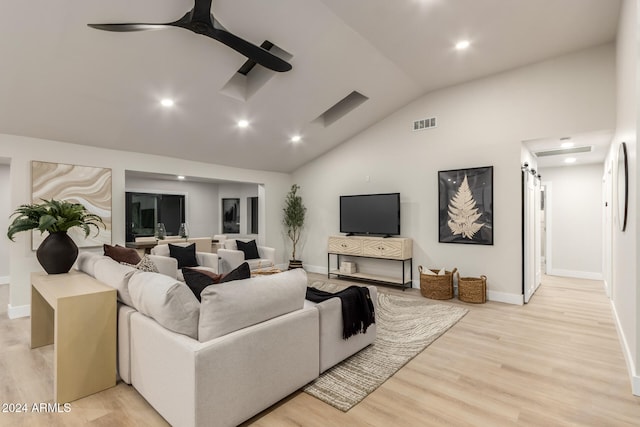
x=376 y=214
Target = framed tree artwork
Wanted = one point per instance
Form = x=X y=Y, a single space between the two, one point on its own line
x=231 y=216
x=466 y=206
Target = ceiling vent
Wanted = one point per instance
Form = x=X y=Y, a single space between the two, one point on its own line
x=341 y=108
x=562 y=151
x=250 y=78
x=423 y=124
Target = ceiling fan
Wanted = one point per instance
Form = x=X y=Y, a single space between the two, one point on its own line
x=201 y=21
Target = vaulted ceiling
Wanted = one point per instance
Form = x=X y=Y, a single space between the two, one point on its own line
x=62 y=80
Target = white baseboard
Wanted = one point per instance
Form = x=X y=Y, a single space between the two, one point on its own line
x=631 y=369
x=314 y=268
x=577 y=274
x=19 y=311
x=491 y=295
x=607 y=289
x=505 y=297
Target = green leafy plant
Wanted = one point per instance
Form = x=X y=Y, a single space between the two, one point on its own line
x=53 y=216
x=294 y=213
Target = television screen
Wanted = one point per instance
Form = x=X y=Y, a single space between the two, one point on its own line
x=377 y=214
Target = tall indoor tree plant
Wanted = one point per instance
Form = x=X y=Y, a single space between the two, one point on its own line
x=57 y=252
x=293 y=219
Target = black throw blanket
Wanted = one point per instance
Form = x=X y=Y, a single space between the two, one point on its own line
x=357 y=308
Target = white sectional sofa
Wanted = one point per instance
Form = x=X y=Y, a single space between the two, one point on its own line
x=247 y=345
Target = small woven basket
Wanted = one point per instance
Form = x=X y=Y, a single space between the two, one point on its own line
x=472 y=289
x=435 y=286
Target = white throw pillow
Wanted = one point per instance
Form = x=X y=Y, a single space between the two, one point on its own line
x=235 y=305
x=117 y=276
x=167 y=301
x=428 y=272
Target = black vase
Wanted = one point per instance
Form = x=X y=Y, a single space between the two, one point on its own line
x=57 y=253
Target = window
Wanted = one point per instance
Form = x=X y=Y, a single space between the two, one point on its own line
x=144 y=210
x=252 y=215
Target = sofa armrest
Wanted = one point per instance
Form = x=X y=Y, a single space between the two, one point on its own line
x=230 y=259
x=209 y=260
x=333 y=348
x=192 y=383
x=267 y=253
x=166 y=265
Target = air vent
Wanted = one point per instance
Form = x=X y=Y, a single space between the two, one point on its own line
x=559 y=152
x=341 y=108
x=423 y=124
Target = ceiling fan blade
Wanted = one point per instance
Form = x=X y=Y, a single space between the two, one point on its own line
x=129 y=27
x=251 y=51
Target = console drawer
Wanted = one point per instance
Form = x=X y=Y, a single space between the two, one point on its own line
x=338 y=245
x=383 y=249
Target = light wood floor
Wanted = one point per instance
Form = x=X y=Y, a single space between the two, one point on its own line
x=554 y=362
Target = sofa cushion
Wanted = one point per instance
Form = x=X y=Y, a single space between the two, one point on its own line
x=250 y=249
x=197 y=280
x=228 y=307
x=121 y=254
x=186 y=255
x=117 y=276
x=87 y=262
x=166 y=300
x=240 y=272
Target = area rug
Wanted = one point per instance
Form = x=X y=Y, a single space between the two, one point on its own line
x=405 y=327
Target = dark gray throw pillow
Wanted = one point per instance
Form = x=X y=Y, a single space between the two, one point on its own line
x=241 y=272
x=250 y=249
x=197 y=280
x=185 y=255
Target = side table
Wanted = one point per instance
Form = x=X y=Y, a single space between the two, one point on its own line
x=77 y=314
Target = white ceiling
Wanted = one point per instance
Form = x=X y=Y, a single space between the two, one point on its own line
x=598 y=142
x=63 y=81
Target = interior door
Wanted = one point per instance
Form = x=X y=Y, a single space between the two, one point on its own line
x=532 y=266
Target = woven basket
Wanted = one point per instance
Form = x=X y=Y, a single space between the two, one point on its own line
x=436 y=286
x=472 y=289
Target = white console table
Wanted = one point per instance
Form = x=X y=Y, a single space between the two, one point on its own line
x=398 y=249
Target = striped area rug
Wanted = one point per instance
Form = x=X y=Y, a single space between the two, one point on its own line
x=405 y=327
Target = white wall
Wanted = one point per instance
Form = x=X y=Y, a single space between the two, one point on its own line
x=22 y=151
x=575 y=203
x=201 y=210
x=5 y=211
x=480 y=123
x=626 y=257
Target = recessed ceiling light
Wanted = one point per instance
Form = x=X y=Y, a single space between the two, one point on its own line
x=567 y=145
x=463 y=44
x=243 y=123
x=296 y=138
x=166 y=102
x=180 y=176
x=570 y=160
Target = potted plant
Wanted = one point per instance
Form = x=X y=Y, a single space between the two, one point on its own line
x=57 y=252
x=294 y=212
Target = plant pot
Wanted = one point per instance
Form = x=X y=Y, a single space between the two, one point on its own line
x=57 y=253
x=295 y=263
